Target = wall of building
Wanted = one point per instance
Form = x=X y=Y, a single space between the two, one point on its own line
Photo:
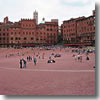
x=4 y=36
x=86 y=29
x=79 y=30
x=26 y=31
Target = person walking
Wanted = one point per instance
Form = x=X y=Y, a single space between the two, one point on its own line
x=35 y=60
x=20 y=63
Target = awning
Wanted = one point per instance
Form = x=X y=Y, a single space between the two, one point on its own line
x=28 y=45
x=79 y=44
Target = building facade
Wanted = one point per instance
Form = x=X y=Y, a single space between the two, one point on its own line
x=51 y=32
x=69 y=31
x=27 y=32
x=79 y=30
x=4 y=32
x=22 y=32
x=86 y=30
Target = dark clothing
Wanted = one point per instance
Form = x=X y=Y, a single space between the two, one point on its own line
x=20 y=63
x=87 y=58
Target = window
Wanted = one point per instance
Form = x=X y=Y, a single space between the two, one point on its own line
x=11 y=38
x=31 y=38
x=16 y=38
x=47 y=29
x=4 y=38
x=3 y=34
x=51 y=29
x=25 y=38
x=37 y=39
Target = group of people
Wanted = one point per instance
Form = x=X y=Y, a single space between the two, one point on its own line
x=29 y=58
x=79 y=58
x=23 y=62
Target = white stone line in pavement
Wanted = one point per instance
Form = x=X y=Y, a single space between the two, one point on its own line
x=48 y=70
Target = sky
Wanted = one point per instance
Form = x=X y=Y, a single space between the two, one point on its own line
x=49 y=9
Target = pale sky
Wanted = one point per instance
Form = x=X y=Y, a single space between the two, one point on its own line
x=49 y=9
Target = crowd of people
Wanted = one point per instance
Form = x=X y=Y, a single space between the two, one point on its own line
x=77 y=53
x=27 y=55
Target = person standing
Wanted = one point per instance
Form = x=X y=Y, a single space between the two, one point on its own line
x=27 y=58
x=87 y=58
x=76 y=57
x=43 y=55
x=20 y=63
x=24 y=63
x=81 y=58
x=35 y=60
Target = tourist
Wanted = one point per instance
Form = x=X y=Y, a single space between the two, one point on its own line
x=39 y=57
x=35 y=60
x=27 y=58
x=76 y=58
x=87 y=58
x=20 y=63
x=24 y=63
x=81 y=58
x=31 y=58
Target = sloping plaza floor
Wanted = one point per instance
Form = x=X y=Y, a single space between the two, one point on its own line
x=64 y=77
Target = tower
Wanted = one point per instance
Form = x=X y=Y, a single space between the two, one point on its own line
x=6 y=20
x=35 y=16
